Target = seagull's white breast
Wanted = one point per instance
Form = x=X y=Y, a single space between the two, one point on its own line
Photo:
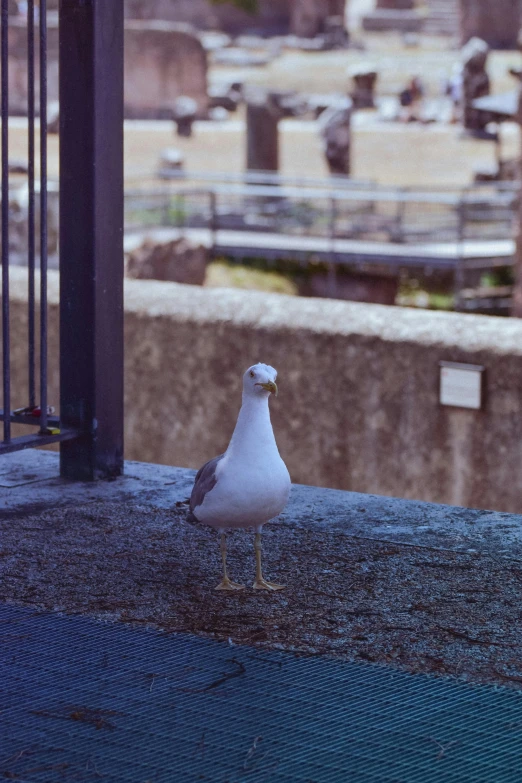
x=252 y=481
x=245 y=497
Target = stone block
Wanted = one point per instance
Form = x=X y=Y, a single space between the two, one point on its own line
x=162 y=62
x=397 y=5
x=308 y=18
x=497 y=22
x=178 y=261
x=386 y=20
x=364 y=77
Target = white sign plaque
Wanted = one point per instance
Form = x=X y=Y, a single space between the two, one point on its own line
x=461 y=385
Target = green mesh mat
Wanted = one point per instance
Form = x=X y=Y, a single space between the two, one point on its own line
x=88 y=701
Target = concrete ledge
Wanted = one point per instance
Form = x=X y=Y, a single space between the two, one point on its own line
x=358 y=407
x=428 y=588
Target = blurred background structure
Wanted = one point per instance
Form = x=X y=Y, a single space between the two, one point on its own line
x=287 y=151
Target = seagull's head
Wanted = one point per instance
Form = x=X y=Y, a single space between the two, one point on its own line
x=260 y=379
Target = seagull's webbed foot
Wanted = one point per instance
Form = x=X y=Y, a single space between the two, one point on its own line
x=228 y=584
x=262 y=584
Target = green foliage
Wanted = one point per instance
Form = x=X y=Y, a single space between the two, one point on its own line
x=250 y=6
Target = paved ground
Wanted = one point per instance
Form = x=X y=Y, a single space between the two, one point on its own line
x=388 y=153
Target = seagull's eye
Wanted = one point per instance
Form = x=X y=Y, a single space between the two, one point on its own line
x=252 y=374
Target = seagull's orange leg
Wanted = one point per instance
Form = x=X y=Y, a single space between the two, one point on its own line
x=226 y=583
x=260 y=583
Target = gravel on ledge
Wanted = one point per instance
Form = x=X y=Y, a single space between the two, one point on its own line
x=422 y=608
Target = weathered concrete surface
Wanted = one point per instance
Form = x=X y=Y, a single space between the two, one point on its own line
x=428 y=588
x=162 y=62
x=358 y=407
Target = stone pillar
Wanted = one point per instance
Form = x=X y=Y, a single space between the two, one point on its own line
x=475 y=81
x=307 y=17
x=364 y=78
x=495 y=21
x=184 y=114
x=262 y=119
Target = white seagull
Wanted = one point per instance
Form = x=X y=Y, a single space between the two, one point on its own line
x=249 y=484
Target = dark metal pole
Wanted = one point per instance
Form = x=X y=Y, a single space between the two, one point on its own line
x=43 y=216
x=516 y=306
x=5 y=220
x=31 y=210
x=91 y=236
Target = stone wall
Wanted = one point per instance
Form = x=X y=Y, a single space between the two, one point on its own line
x=272 y=17
x=495 y=21
x=275 y=17
x=358 y=404
x=162 y=62
x=307 y=17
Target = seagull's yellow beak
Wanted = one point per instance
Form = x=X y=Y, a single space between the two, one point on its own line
x=270 y=387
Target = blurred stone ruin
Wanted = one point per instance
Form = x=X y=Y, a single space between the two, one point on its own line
x=177 y=260
x=364 y=78
x=300 y=19
x=335 y=129
x=476 y=83
x=163 y=62
x=497 y=22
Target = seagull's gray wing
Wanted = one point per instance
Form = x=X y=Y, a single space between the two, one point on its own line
x=205 y=481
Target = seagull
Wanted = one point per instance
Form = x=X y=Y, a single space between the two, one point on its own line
x=249 y=484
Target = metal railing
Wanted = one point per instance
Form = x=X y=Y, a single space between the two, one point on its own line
x=365 y=212
x=362 y=226
x=89 y=422
x=31 y=412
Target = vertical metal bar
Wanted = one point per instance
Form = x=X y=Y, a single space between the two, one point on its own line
x=5 y=217
x=43 y=214
x=31 y=206
x=91 y=236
